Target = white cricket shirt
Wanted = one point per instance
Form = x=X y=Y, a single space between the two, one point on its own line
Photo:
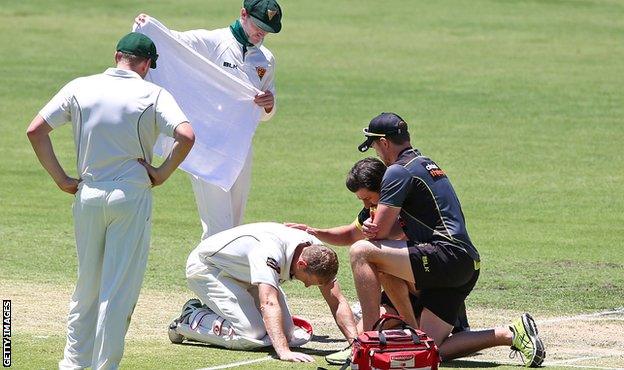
x=256 y=67
x=116 y=118
x=253 y=253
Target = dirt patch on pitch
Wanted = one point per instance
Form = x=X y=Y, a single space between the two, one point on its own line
x=589 y=340
x=47 y=305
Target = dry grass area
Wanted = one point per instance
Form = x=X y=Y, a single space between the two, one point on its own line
x=584 y=340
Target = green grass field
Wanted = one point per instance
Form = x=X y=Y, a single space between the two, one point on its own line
x=521 y=102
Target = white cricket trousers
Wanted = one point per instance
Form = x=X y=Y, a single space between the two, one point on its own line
x=219 y=209
x=235 y=301
x=112 y=225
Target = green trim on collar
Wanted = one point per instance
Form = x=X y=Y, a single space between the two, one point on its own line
x=239 y=34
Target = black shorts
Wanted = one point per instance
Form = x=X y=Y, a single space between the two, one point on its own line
x=445 y=275
x=461 y=324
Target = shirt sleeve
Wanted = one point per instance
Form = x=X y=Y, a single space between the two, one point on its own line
x=168 y=113
x=395 y=186
x=265 y=265
x=58 y=110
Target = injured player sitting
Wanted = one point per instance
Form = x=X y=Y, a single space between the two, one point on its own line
x=237 y=275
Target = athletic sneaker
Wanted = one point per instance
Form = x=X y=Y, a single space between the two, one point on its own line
x=187 y=309
x=174 y=336
x=340 y=357
x=527 y=342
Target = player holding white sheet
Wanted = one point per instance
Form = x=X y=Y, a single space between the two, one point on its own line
x=238 y=50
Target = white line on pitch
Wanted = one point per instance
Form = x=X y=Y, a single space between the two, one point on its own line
x=236 y=364
x=577 y=359
x=596 y=316
x=586 y=367
x=583 y=316
x=546 y=363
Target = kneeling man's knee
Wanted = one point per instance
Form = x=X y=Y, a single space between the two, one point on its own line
x=257 y=332
x=359 y=250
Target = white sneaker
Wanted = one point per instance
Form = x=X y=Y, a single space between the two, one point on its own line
x=174 y=336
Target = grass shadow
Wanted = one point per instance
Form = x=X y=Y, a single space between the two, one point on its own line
x=327 y=339
x=268 y=350
x=467 y=364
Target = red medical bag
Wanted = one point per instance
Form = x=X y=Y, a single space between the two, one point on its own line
x=404 y=348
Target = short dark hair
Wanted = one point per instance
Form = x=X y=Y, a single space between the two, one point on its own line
x=400 y=139
x=366 y=173
x=132 y=59
x=321 y=262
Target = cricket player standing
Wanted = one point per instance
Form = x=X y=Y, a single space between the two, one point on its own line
x=238 y=50
x=116 y=117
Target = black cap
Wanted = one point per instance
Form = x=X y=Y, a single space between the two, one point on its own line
x=266 y=14
x=385 y=124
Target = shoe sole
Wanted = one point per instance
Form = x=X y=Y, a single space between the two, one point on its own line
x=531 y=329
x=174 y=336
x=335 y=362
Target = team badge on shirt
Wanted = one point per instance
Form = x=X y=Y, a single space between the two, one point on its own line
x=261 y=71
x=272 y=263
x=436 y=172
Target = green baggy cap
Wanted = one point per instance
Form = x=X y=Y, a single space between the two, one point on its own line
x=266 y=14
x=140 y=45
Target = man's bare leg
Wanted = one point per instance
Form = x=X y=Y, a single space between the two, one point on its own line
x=367 y=286
x=464 y=343
x=368 y=259
x=398 y=291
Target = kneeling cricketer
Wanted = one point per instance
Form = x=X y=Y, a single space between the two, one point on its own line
x=237 y=275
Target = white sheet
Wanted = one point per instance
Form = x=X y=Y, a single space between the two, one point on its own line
x=219 y=106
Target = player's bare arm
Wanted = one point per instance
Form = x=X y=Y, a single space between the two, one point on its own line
x=396 y=233
x=274 y=324
x=386 y=218
x=340 y=309
x=339 y=235
x=39 y=135
x=184 y=138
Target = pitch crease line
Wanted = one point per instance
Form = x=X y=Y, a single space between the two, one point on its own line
x=546 y=363
x=577 y=359
x=583 y=316
x=588 y=316
x=585 y=366
x=236 y=364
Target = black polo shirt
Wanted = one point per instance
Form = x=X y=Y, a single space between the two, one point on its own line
x=430 y=209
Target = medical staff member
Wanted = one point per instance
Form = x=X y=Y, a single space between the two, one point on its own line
x=116 y=117
x=436 y=256
x=238 y=50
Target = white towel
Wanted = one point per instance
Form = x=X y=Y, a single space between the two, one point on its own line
x=219 y=106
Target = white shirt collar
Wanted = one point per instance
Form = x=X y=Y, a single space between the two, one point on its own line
x=118 y=72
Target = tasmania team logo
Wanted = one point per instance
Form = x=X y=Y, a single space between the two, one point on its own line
x=261 y=71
